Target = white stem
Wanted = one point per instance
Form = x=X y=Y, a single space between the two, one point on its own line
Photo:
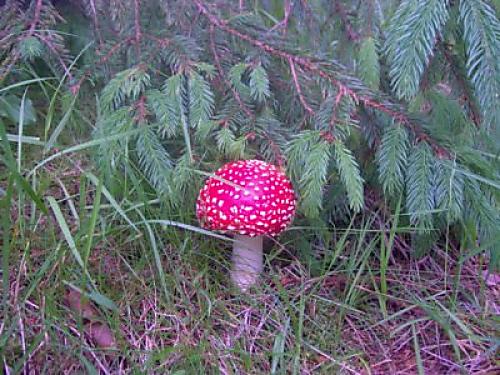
x=247 y=261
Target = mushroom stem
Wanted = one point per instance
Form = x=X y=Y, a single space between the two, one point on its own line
x=247 y=261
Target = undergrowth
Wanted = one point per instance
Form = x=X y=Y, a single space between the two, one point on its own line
x=97 y=285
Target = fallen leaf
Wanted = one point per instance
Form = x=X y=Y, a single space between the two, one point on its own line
x=80 y=304
x=101 y=335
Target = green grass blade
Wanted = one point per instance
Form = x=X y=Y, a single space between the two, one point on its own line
x=60 y=127
x=92 y=223
x=170 y=223
x=24 y=139
x=61 y=221
x=5 y=224
x=98 y=298
x=25 y=83
x=83 y=146
x=20 y=132
x=10 y=162
x=418 y=357
x=112 y=200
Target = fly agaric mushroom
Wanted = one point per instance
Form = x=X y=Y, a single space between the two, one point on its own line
x=249 y=199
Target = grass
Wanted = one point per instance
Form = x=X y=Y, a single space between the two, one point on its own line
x=96 y=283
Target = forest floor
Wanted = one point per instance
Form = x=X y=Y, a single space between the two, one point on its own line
x=111 y=296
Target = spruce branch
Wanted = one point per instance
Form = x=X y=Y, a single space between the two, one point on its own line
x=103 y=60
x=351 y=33
x=332 y=73
x=449 y=189
x=350 y=175
x=392 y=159
x=410 y=43
x=137 y=27
x=299 y=90
x=482 y=36
x=12 y=60
x=259 y=83
x=96 y=23
x=420 y=186
x=468 y=95
x=222 y=75
x=287 y=10
x=155 y=161
x=308 y=160
x=56 y=53
x=369 y=65
x=36 y=18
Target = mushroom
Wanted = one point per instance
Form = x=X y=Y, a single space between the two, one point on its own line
x=249 y=199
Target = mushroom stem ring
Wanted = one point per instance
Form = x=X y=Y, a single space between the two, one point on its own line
x=249 y=199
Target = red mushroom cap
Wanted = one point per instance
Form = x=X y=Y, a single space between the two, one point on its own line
x=257 y=199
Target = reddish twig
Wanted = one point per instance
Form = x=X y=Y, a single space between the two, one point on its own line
x=218 y=65
x=141 y=109
x=333 y=118
x=137 y=26
x=284 y=23
x=54 y=49
x=36 y=18
x=76 y=87
x=96 y=23
x=299 y=90
x=351 y=34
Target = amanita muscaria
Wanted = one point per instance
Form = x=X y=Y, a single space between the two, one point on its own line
x=249 y=199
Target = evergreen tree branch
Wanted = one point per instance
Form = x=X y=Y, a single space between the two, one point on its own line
x=96 y=23
x=137 y=27
x=410 y=43
x=297 y=87
x=56 y=53
x=482 y=35
x=222 y=75
x=350 y=175
x=454 y=65
x=112 y=51
x=332 y=73
x=287 y=10
x=392 y=159
x=351 y=33
x=33 y=26
x=420 y=186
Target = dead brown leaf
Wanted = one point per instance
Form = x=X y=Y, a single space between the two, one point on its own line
x=80 y=304
x=101 y=335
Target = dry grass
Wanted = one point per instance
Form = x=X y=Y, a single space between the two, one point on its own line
x=439 y=316
x=293 y=323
